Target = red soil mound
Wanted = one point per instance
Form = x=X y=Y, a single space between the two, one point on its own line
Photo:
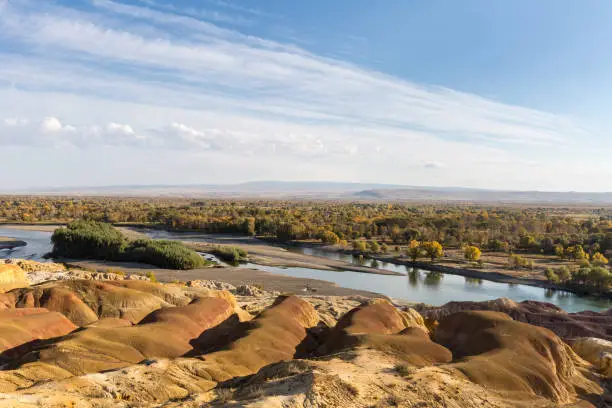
x=19 y=327
x=511 y=356
x=566 y=325
x=381 y=326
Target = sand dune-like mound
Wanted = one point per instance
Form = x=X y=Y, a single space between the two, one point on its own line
x=11 y=277
x=510 y=356
x=273 y=336
x=566 y=325
x=165 y=333
x=378 y=324
x=20 y=327
x=197 y=351
x=85 y=301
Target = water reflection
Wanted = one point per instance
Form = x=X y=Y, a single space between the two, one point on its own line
x=473 y=281
x=413 y=276
x=433 y=279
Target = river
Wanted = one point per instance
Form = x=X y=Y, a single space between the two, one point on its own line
x=415 y=285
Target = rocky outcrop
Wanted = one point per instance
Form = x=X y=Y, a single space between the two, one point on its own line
x=11 y=277
x=196 y=351
x=597 y=352
x=211 y=284
x=34 y=266
x=566 y=325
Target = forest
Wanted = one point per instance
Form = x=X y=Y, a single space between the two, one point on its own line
x=536 y=230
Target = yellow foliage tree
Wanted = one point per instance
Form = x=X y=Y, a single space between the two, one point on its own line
x=414 y=250
x=433 y=249
x=599 y=260
x=472 y=253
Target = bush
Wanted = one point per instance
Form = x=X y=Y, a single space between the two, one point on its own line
x=96 y=240
x=89 y=239
x=230 y=254
x=165 y=254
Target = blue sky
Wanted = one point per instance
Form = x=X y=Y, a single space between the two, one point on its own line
x=484 y=94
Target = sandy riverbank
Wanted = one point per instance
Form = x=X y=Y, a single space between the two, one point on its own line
x=235 y=276
x=264 y=254
x=9 y=243
x=33 y=227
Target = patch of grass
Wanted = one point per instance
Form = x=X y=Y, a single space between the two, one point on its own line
x=224 y=395
x=403 y=370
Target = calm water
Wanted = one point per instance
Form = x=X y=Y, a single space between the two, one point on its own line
x=39 y=243
x=415 y=285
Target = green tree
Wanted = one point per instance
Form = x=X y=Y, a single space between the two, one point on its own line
x=551 y=276
x=564 y=274
x=249 y=226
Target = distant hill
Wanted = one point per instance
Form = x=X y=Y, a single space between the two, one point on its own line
x=333 y=191
x=485 y=196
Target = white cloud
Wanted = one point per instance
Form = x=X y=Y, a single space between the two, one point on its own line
x=53 y=125
x=124 y=75
x=433 y=165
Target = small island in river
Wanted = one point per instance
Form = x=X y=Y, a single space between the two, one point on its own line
x=10 y=243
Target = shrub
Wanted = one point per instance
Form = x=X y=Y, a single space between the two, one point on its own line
x=230 y=254
x=88 y=239
x=96 y=240
x=165 y=254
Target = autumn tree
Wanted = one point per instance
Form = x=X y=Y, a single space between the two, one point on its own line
x=551 y=276
x=576 y=252
x=374 y=246
x=560 y=251
x=472 y=253
x=359 y=246
x=249 y=226
x=414 y=250
x=599 y=260
x=329 y=237
x=433 y=249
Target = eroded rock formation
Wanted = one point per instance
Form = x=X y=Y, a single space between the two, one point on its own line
x=125 y=343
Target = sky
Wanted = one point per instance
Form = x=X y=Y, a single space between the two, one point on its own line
x=502 y=95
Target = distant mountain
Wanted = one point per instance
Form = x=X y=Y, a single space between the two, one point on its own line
x=484 y=196
x=333 y=191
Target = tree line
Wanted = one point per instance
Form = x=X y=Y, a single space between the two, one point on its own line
x=503 y=228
